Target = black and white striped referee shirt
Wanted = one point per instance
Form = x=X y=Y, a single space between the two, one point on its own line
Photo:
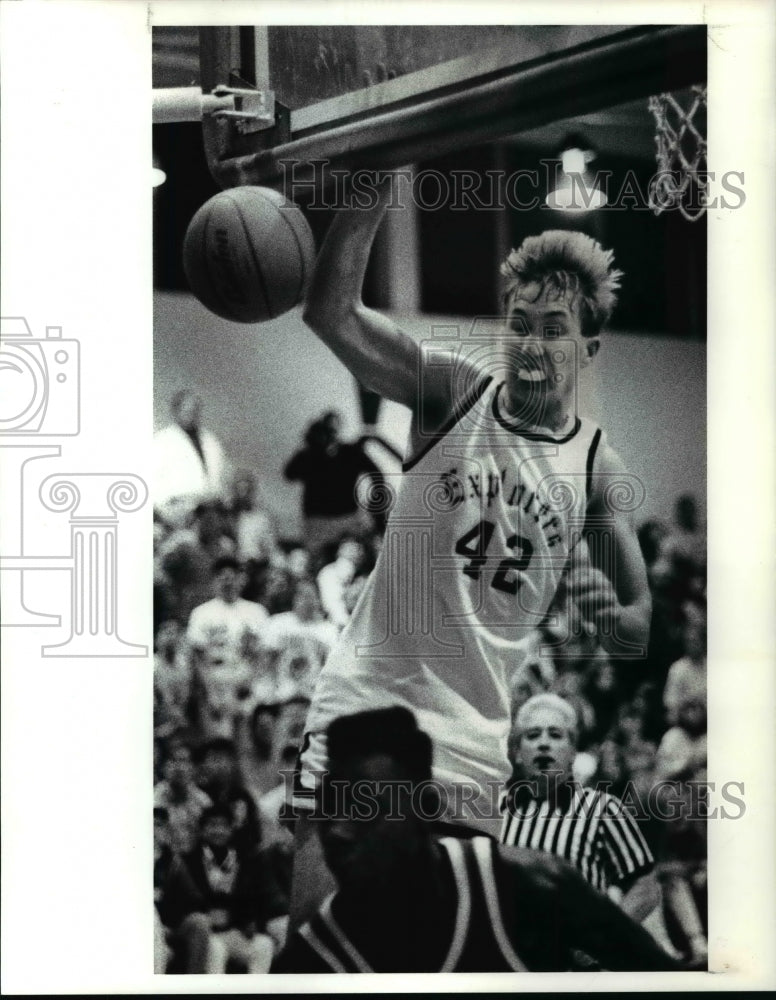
x=589 y=829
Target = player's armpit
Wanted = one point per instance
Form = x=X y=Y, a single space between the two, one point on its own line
x=446 y=389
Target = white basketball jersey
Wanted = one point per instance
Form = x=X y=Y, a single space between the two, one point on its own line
x=476 y=543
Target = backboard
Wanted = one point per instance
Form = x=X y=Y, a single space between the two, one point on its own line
x=385 y=96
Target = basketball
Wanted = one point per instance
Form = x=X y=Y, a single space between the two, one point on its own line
x=248 y=254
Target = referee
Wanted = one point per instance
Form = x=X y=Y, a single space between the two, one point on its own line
x=591 y=830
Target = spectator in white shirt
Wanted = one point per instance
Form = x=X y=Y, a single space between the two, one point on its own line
x=189 y=462
x=301 y=640
x=334 y=579
x=253 y=527
x=229 y=656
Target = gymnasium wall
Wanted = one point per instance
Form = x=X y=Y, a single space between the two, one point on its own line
x=261 y=386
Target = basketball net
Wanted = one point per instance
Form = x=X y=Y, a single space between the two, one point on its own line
x=681 y=181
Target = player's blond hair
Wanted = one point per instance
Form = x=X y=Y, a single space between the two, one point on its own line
x=565 y=262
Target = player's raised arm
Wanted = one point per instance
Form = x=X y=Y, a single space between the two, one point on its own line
x=373 y=347
x=380 y=355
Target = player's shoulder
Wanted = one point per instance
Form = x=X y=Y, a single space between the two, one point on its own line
x=450 y=387
x=449 y=380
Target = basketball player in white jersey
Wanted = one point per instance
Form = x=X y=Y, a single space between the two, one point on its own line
x=408 y=901
x=500 y=481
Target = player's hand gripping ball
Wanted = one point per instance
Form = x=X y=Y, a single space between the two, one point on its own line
x=248 y=254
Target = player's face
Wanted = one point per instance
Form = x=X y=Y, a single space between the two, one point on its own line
x=363 y=847
x=544 y=347
x=545 y=747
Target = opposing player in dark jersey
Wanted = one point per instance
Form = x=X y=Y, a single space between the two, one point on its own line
x=502 y=480
x=409 y=902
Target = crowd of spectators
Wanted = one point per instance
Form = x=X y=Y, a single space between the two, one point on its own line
x=243 y=623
